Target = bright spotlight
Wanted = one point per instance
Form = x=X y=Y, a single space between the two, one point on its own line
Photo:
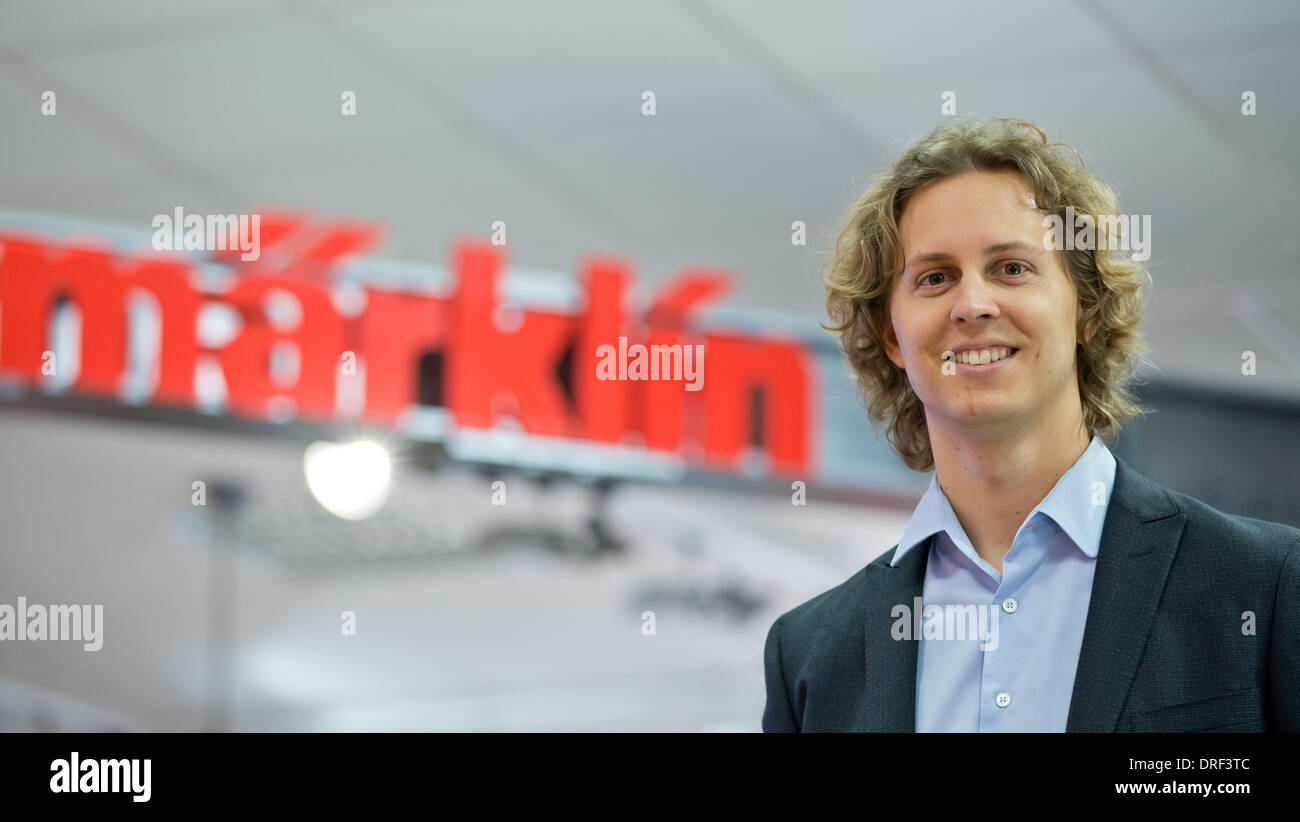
x=349 y=480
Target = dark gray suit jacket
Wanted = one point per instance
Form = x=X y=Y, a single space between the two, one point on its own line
x=1163 y=645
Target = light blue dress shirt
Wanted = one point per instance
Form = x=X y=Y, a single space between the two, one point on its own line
x=1007 y=663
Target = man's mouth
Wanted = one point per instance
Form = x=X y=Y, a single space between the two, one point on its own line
x=981 y=356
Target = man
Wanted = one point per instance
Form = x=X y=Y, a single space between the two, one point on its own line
x=1104 y=602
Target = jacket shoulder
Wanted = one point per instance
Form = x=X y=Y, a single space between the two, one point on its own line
x=834 y=611
x=1247 y=538
x=1207 y=528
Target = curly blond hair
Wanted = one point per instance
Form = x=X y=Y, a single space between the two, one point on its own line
x=868 y=255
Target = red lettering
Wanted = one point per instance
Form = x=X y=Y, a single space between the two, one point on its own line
x=246 y=360
x=602 y=404
x=396 y=331
x=733 y=366
x=671 y=417
x=487 y=369
x=31 y=283
x=178 y=307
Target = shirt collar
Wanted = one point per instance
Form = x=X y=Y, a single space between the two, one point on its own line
x=1077 y=504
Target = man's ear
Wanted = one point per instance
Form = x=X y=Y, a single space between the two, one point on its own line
x=892 y=349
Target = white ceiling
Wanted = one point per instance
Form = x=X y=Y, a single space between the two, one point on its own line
x=767 y=112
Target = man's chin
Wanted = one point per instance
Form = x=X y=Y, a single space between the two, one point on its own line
x=986 y=414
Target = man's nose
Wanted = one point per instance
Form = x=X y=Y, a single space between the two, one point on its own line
x=975 y=297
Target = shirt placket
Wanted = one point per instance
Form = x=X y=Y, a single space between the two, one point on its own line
x=998 y=704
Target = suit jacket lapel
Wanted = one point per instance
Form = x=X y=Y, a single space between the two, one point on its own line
x=890 y=663
x=1138 y=541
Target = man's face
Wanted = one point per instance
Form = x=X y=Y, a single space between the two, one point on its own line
x=962 y=285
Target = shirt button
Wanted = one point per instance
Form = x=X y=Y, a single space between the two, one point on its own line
x=1010 y=605
x=1003 y=699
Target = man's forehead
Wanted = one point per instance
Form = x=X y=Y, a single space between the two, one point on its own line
x=970 y=195
x=942 y=221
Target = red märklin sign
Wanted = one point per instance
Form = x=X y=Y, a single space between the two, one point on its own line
x=486 y=372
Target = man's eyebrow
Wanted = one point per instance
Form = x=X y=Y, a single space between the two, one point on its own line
x=998 y=248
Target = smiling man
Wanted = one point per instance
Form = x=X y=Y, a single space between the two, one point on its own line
x=1002 y=361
